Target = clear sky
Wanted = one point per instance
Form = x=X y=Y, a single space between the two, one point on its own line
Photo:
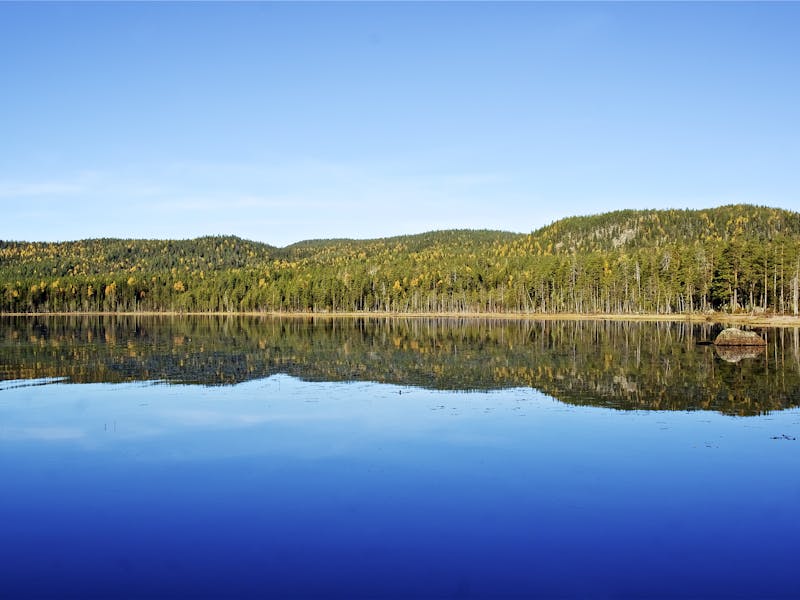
x=287 y=121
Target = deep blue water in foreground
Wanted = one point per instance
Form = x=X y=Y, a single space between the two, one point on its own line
x=283 y=488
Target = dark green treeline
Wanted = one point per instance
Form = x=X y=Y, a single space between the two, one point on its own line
x=733 y=258
x=624 y=365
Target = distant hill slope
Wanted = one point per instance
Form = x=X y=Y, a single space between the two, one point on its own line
x=734 y=258
x=647 y=228
x=102 y=256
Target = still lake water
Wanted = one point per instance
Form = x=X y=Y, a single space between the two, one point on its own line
x=246 y=457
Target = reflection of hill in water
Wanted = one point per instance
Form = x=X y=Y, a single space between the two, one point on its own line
x=616 y=364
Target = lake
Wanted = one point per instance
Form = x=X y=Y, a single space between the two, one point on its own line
x=374 y=458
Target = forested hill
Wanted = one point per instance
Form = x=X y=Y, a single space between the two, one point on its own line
x=732 y=258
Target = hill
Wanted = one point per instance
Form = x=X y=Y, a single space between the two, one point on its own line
x=733 y=258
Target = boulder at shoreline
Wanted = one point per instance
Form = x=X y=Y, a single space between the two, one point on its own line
x=736 y=337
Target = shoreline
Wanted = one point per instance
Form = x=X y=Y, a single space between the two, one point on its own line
x=720 y=318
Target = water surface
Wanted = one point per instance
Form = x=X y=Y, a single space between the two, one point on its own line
x=251 y=458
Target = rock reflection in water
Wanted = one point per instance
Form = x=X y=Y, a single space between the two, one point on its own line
x=734 y=354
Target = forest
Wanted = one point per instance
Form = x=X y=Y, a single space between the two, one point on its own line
x=737 y=258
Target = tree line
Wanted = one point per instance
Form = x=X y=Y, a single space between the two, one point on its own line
x=734 y=258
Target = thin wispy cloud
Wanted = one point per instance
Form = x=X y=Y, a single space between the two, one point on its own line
x=274 y=203
x=43 y=433
x=33 y=189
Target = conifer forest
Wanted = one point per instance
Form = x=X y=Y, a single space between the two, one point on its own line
x=737 y=258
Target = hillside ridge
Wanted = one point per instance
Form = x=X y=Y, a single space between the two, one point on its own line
x=732 y=258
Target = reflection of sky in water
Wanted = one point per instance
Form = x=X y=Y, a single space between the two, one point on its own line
x=285 y=488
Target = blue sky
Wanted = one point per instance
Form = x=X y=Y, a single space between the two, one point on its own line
x=287 y=121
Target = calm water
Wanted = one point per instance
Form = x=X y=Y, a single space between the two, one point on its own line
x=261 y=458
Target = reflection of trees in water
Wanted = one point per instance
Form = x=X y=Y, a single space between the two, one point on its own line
x=627 y=365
